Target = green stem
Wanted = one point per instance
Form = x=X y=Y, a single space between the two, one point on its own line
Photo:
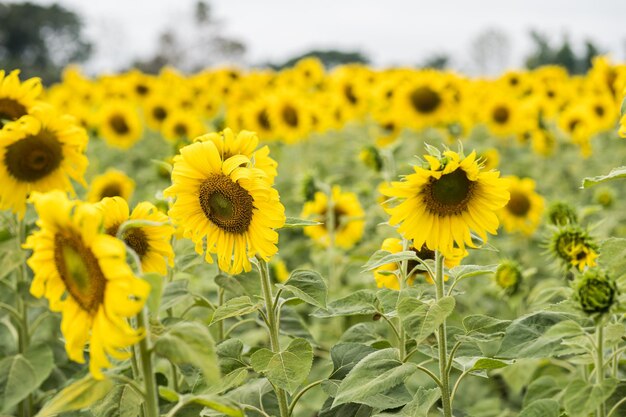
x=404 y=265
x=330 y=226
x=273 y=325
x=22 y=310
x=303 y=391
x=600 y=363
x=149 y=380
x=441 y=341
x=220 y=325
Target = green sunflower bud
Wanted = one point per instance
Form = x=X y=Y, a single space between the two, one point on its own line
x=596 y=292
x=371 y=158
x=508 y=276
x=309 y=188
x=573 y=246
x=560 y=213
x=604 y=196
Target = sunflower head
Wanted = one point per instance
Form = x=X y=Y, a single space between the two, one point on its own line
x=523 y=212
x=573 y=246
x=112 y=183
x=508 y=276
x=561 y=213
x=604 y=196
x=445 y=200
x=17 y=98
x=595 y=292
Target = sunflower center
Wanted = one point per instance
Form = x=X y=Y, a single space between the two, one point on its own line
x=425 y=100
x=111 y=190
x=142 y=89
x=290 y=116
x=450 y=194
x=225 y=203
x=10 y=110
x=137 y=240
x=79 y=269
x=349 y=93
x=264 y=120
x=118 y=124
x=519 y=204
x=599 y=110
x=159 y=113
x=501 y=115
x=180 y=130
x=34 y=157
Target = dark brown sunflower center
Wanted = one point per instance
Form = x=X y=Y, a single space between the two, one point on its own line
x=264 y=119
x=501 y=115
x=519 y=204
x=349 y=93
x=450 y=194
x=111 y=190
x=573 y=124
x=118 y=124
x=159 y=113
x=137 y=240
x=142 y=89
x=339 y=215
x=599 y=110
x=424 y=254
x=79 y=269
x=425 y=100
x=34 y=157
x=227 y=204
x=10 y=110
x=180 y=130
x=290 y=116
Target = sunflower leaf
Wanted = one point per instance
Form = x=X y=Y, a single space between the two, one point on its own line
x=296 y=222
x=79 y=395
x=308 y=286
x=421 y=319
x=286 y=369
x=462 y=272
x=235 y=307
x=381 y=257
x=615 y=173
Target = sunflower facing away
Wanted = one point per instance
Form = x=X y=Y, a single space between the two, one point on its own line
x=17 y=98
x=39 y=152
x=226 y=207
x=348 y=213
x=524 y=210
x=83 y=274
x=150 y=243
x=112 y=183
x=385 y=276
x=440 y=205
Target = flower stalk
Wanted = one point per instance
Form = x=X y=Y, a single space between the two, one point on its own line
x=441 y=340
x=151 y=406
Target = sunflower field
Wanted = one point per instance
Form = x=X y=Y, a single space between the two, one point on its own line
x=312 y=242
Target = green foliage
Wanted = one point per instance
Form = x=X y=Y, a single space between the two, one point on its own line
x=309 y=286
x=614 y=174
x=286 y=369
x=421 y=319
x=77 y=396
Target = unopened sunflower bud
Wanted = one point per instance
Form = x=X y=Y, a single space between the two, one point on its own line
x=508 y=276
x=371 y=158
x=309 y=188
x=573 y=246
x=604 y=196
x=596 y=292
x=560 y=213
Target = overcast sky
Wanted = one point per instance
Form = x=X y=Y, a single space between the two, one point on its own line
x=390 y=32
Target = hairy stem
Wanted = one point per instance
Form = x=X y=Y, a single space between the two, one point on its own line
x=441 y=341
x=601 y=412
x=22 y=309
x=152 y=403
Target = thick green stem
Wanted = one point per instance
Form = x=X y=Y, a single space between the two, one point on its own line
x=441 y=341
x=22 y=310
x=273 y=326
x=601 y=412
x=220 y=324
x=404 y=265
x=152 y=402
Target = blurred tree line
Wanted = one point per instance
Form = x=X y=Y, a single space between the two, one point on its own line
x=42 y=40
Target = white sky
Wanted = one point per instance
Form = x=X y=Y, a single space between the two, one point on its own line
x=390 y=32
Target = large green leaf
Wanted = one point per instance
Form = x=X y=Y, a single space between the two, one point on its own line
x=309 y=286
x=421 y=319
x=422 y=402
x=286 y=369
x=122 y=401
x=235 y=307
x=190 y=343
x=544 y=387
x=345 y=356
x=357 y=303
x=542 y=408
x=615 y=173
x=462 y=272
x=377 y=373
x=79 y=395
x=582 y=398
x=479 y=324
x=380 y=258
x=613 y=257
x=175 y=292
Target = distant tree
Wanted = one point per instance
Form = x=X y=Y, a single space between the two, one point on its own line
x=330 y=58
x=40 y=40
x=439 y=61
x=563 y=55
x=490 y=51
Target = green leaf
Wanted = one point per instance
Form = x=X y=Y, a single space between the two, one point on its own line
x=357 y=303
x=421 y=319
x=544 y=387
x=175 y=292
x=11 y=261
x=423 y=401
x=190 y=343
x=295 y=222
x=375 y=374
x=229 y=353
x=17 y=378
x=381 y=257
x=230 y=284
x=613 y=257
x=484 y=324
x=462 y=272
x=542 y=408
x=156 y=291
x=487 y=364
x=582 y=398
x=615 y=173
x=122 y=401
x=345 y=356
x=309 y=286
x=79 y=395
x=286 y=369
x=235 y=307
x=168 y=394
x=216 y=403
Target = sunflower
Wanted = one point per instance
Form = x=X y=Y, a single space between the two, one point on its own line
x=40 y=152
x=348 y=216
x=225 y=206
x=182 y=126
x=119 y=124
x=157 y=107
x=423 y=99
x=112 y=183
x=524 y=210
x=244 y=143
x=386 y=276
x=150 y=243
x=17 y=98
x=441 y=204
x=83 y=274
x=573 y=246
x=289 y=116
